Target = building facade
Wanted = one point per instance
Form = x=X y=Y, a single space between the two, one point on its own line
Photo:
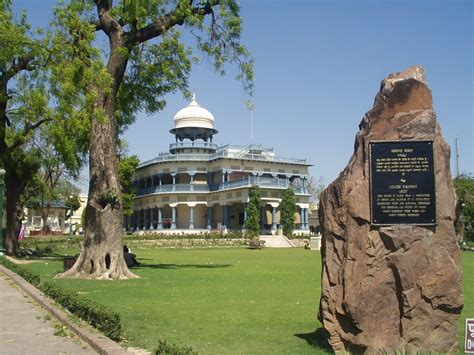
x=198 y=186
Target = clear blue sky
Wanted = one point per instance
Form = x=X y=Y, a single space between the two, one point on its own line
x=318 y=68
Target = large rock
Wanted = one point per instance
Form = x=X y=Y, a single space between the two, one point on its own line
x=392 y=287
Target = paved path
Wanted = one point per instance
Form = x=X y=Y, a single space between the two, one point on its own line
x=25 y=328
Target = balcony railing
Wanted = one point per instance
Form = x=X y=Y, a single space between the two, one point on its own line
x=173 y=188
x=248 y=181
x=204 y=145
x=228 y=151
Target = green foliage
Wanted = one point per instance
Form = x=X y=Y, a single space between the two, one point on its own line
x=109 y=196
x=208 y=236
x=166 y=348
x=30 y=121
x=29 y=276
x=252 y=224
x=72 y=202
x=255 y=243
x=154 y=71
x=464 y=186
x=154 y=68
x=126 y=168
x=103 y=319
x=288 y=210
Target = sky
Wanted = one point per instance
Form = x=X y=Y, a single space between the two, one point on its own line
x=318 y=67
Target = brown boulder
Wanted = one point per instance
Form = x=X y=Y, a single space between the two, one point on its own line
x=400 y=286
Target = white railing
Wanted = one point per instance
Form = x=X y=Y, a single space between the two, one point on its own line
x=226 y=151
x=205 y=145
x=248 y=181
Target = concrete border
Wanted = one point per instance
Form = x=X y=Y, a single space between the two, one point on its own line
x=99 y=343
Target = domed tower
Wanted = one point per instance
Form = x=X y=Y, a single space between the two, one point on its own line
x=194 y=129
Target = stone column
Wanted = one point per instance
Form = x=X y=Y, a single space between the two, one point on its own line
x=147 y=219
x=173 y=175
x=139 y=220
x=306 y=219
x=245 y=216
x=160 y=218
x=191 y=217
x=134 y=220
x=173 y=217
x=191 y=181
x=274 y=219
x=152 y=218
x=224 y=217
x=302 y=218
x=210 y=217
x=125 y=223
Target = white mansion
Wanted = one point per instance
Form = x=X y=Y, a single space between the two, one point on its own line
x=198 y=186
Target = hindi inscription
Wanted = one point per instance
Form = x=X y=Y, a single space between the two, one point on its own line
x=402 y=183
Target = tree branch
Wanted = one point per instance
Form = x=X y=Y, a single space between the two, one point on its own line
x=19 y=141
x=106 y=22
x=19 y=64
x=166 y=22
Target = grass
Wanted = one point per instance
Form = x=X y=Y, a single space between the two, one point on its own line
x=468 y=310
x=226 y=300
x=215 y=300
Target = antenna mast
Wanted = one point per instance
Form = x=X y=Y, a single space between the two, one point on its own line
x=457 y=158
x=251 y=126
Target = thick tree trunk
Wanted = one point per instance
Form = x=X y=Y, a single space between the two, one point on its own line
x=13 y=215
x=102 y=254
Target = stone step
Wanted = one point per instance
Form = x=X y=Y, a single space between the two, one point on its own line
x=276 y=241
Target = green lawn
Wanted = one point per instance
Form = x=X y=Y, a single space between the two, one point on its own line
x=225 y=300
x=222 y=300
x=468 y=310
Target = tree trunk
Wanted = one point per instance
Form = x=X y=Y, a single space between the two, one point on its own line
x=44 y=217
x=102 y=254
x=13 y=215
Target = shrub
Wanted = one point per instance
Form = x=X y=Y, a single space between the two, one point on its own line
x=108 y=322
x=165 y=348
x=27 y=275
x=255 y=243
x=101 y=318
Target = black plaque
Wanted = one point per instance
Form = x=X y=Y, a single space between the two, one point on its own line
x=402 y=183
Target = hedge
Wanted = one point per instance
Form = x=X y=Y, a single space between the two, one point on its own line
x=101 y=318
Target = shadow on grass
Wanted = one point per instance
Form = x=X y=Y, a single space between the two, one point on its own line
x=184 y=266
x=44 y=257
x=318 y=339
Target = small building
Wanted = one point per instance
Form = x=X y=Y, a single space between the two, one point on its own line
x=55 y=221
x=199 y=186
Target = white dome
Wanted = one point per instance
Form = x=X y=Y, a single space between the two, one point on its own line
x=194 y=115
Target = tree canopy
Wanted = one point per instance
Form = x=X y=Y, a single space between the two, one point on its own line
x=100 y=89
x=464 y=185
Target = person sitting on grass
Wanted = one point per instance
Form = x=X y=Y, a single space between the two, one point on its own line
x=130 y=258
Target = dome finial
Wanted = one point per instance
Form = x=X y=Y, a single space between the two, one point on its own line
x=194 y=96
